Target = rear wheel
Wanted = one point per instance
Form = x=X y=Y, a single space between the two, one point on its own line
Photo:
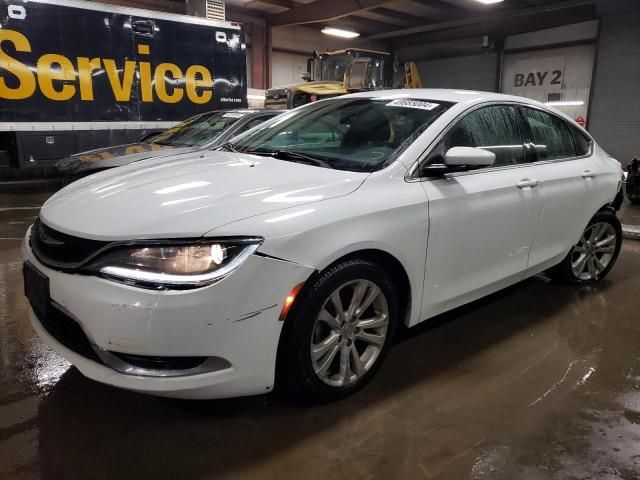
x=339 y=334
x=595 y=254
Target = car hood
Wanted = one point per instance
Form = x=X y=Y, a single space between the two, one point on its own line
x=117 y=156
x=189 y=196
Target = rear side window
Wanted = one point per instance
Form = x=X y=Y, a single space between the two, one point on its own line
x=583 y=143
x=551 y=135
x=494 y=128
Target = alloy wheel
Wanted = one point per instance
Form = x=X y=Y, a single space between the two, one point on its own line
x=594 y=252
x=349 y=333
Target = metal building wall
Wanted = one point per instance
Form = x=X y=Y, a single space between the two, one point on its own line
x=471 y=72
x=615 y=107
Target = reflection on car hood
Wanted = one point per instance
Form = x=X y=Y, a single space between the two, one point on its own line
x=117 y=156
x=189 y=195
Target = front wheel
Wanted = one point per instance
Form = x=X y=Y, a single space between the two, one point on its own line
x=339 y=334
x=593 y=257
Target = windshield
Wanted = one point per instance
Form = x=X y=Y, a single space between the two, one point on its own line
x=334 y=66
x=197 y=131
x=357 y=134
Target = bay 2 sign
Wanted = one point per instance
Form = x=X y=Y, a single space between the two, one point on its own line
x=538 y=79
x=540 y=73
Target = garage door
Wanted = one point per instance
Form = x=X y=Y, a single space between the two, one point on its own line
x=615 y=111
x=561 y=76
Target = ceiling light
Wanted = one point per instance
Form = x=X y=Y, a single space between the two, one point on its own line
x=569 y=103
x=489 y=2
x=338 y=32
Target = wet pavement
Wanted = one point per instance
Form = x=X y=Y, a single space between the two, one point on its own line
x=630 y=214
x=541 y=381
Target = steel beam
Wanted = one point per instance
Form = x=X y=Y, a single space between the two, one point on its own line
x=504 y=15
x=322 y=11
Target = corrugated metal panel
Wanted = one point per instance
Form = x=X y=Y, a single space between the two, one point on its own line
x=567 y=33
x=475 y=72
x=615 y=108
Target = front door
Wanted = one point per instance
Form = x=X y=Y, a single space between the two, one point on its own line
x=481 y=223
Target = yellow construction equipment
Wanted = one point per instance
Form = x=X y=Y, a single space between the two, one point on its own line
x=331 y=74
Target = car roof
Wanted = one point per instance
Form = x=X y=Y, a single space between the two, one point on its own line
x=445 y=95
x=246 y=111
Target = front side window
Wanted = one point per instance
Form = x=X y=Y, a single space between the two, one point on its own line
x=357 y=134
x=550 y=135
x=197 y=131
x=495 y=128
x=334 y=66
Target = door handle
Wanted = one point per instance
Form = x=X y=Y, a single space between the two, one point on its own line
x=527 y=183
x=588 y=174
x=146 y=28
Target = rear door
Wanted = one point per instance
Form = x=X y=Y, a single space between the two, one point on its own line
x=481 y=223
x=568 y=180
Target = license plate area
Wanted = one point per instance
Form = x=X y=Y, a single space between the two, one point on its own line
x=36 y=289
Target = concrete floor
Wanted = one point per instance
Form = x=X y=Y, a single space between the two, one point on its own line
x=541 y=381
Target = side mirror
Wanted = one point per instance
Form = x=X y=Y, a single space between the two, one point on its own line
x=469 y=157
x=458 y=159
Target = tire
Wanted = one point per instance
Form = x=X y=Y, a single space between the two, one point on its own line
x=315 y=325
x=604 y=225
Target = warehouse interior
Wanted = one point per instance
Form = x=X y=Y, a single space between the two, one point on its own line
x=540 y=380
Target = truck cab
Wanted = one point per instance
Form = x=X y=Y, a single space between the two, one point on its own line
x=330 y=74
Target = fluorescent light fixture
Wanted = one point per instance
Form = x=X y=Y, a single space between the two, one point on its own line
x=569 y=103
x=489 y=2
x=338 y=32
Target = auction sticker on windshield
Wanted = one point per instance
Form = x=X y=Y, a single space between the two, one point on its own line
x=408 y=103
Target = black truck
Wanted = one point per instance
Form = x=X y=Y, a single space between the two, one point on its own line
x=79 y=75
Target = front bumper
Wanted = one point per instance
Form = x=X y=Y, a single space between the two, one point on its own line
x=234 y=322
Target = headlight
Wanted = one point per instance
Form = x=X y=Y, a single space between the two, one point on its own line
x=174 y=265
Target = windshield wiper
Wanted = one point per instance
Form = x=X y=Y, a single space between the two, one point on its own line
x=299 y=157
x=228 y=147
x=287 y=155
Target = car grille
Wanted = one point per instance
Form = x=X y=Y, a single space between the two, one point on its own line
x=68 y=332
x=277 y=93
x=59 y=250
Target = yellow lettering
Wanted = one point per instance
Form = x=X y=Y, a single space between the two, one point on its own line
x=85 y=68
x=55 y=75
x=145 y=82
x=47 y=75
x=161 y=82
x=26 y=80
x=121 y=90
x=193 y=83
x=145 y=75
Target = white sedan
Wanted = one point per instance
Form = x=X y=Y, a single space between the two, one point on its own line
x=289 y=257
